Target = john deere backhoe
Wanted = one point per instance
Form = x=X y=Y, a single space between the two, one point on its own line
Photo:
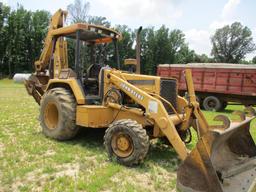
x=135 y=108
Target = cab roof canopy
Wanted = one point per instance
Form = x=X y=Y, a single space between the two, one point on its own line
x=88 y=32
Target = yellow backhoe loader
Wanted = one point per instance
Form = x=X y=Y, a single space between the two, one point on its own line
x=135 y=108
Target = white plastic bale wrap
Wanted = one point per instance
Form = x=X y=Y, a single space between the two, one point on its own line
x=20 y=77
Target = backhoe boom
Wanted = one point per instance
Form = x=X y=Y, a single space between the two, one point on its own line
x=56 y=22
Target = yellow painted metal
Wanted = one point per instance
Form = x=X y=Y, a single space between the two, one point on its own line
x=154 y=109
x=147 y=83
x=193 y=108
x=74 y=86
x=51 y=115
x=57 y=21
x=71 y=29
x=94 y=116
x=60 y=56
x=214 y=142
x=122 y=145
x=98 y=116
x=130 y=62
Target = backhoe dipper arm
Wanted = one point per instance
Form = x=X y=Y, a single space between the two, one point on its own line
x=56 y=22
x=154 y=110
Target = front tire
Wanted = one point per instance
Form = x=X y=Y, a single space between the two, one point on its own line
x=127 y=142
x=58 y=114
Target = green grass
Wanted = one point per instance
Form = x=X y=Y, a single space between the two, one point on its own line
x=31 y=162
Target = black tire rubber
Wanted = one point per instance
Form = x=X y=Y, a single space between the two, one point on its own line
x=217 y=105
x=224 y=105
x=66 y=105
x=139 y=137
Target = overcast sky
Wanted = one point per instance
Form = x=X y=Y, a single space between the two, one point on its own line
x=198 y=19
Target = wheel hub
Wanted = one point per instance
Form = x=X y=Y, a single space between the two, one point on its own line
x=212 y=104
x=122 y=145
x=51 y=115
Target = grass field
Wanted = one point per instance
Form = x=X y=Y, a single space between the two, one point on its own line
x=31 y=162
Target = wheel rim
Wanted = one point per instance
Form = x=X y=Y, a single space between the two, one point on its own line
x=211 y=104
x=122 y=145
x=51 y=115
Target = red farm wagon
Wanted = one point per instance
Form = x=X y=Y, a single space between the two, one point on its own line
x=216 y=84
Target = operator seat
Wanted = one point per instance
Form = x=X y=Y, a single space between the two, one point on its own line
x=92 y=73
x=91 y=80
x=94 y=84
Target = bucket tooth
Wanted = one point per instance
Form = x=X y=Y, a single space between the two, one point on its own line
x=225 y=122
x=250 y=111
x=241 y=115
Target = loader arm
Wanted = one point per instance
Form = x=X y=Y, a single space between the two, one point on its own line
x=155 y=110
x=56 y=22
x=201 y=125
x=224 y=157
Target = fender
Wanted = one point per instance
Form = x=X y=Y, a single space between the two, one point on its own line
x=73 y=84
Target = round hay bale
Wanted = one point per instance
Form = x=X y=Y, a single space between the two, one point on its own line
x=20 y=77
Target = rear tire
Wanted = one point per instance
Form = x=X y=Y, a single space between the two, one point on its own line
x=127 y=142
x=58 y=114
x=212 y=103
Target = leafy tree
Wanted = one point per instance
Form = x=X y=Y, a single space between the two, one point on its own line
x=254 y=60
x=98 y=20
x=78 y=11
x=185 y=55
x=125 y=44
x=163 y=46
x=22 y=34
x=178 y=47
x=148 y=48
x=4 y=14
x=232 y=43
x=203 y=58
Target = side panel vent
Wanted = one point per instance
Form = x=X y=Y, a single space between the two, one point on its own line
x=168 y=90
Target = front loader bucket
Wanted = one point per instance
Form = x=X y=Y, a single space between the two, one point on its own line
x=222 y=161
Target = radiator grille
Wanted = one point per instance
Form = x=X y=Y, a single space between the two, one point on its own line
x=168 y=90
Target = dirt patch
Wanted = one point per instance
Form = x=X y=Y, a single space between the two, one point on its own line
x=2 y=147
x=158 y=180
x=70 y=170
x=49 y=153
x=38 y=179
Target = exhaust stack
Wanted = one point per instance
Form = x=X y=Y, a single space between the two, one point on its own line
x=138 y=50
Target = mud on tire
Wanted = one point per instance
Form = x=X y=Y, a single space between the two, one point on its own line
x=58 y=114
x=134 y=134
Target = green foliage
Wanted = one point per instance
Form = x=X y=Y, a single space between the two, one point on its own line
x=163 y=46
x=22 y=33
x=254 y=60
x=31 y=162
x=98 y=20
x=232 y=42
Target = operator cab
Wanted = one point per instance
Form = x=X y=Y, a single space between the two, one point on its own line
x=89 y=40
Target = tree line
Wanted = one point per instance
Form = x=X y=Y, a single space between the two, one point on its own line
x=22 y=33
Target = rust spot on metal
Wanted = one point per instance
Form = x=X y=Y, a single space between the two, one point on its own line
x=225 y=122
x=250 y=111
